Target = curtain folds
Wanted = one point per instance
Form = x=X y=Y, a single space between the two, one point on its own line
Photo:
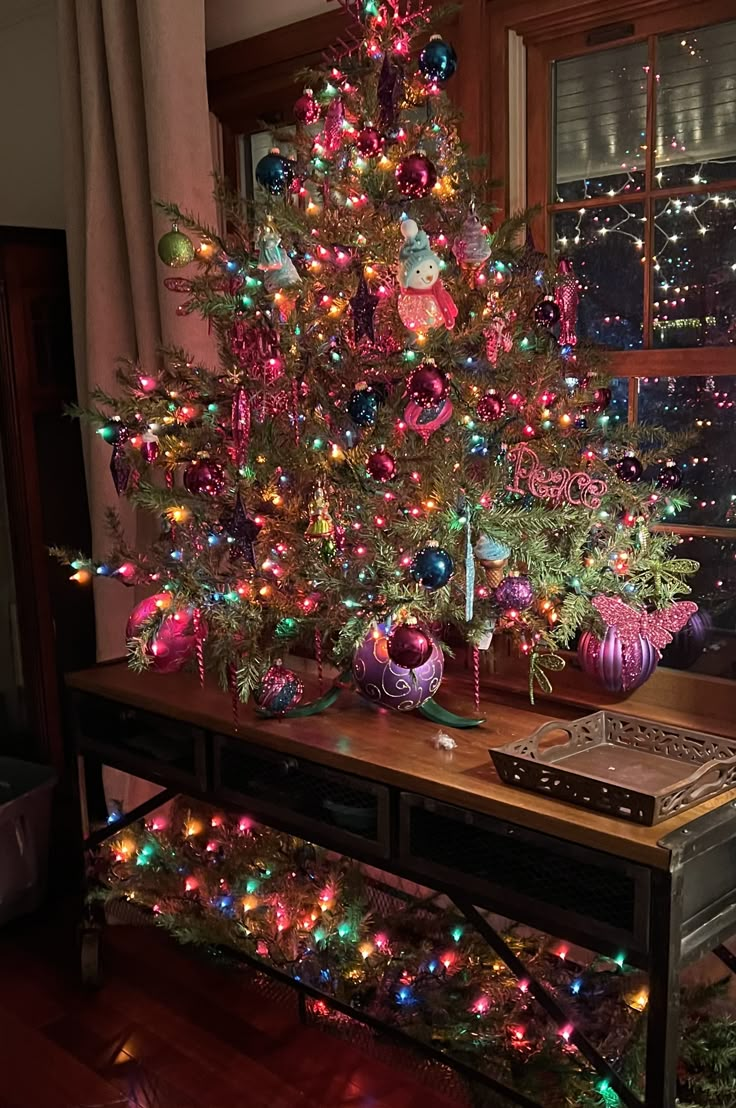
x=136 y=129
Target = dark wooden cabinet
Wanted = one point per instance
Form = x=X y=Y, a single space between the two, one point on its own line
x=49 y=624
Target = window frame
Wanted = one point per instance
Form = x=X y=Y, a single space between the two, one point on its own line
x=553 y=30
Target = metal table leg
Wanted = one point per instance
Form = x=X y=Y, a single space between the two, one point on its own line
x=663 y=1015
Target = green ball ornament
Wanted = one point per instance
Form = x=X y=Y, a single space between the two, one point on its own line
x=175 y=249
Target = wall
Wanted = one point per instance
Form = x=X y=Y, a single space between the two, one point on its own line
x=31 y=181
x=231 y=20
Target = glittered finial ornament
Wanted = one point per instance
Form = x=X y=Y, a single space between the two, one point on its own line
x=390 y=91
x=472 y=246
x=363 y=305
x=279 y=690
x=176 y=249
x=333 y=130
x=306 y=108
x=438 y=60
x=566 y=298
x=275 y=173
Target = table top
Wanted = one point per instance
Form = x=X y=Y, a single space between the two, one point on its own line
x=398 y=749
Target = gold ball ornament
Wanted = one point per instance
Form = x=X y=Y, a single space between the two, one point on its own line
x=176 y=249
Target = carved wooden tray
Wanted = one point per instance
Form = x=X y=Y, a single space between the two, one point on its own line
x=631 y=768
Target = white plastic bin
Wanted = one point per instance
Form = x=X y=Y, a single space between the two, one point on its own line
x=25 y=814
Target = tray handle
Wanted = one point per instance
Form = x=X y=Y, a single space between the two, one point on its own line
x=531 y=744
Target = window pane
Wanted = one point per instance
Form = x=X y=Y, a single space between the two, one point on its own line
x=714 y=590
x=606 y=247
x=705 y=406
x=600 y=120
x=696 y=106
x=694 y=290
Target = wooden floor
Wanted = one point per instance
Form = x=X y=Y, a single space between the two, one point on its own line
x=167 y=1030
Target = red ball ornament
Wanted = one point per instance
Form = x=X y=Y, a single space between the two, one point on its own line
x=173 y=643
x=409 y=645
x=369 y=142
x=601 y=399
x=306 y=108
x=490 y=408
x=668 y=475
x=428 y=385
x=629 y=468
x=382 y=465
x=415 y=175
x=204 y=478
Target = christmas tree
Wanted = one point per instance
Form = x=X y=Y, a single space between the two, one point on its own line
x=403 y=447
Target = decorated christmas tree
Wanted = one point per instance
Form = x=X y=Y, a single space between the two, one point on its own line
x=403 y=447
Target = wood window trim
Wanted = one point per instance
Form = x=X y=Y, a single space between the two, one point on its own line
x=555 y=29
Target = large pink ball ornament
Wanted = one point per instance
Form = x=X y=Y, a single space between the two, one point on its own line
x=390 y=685
x=173 y=644
x=618 y=666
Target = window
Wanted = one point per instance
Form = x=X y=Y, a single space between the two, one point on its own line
x=638 y=186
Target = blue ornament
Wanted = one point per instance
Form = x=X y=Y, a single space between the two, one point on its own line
x=438 y=60
x=363 y=406
x=275 y=173
x=432 y=567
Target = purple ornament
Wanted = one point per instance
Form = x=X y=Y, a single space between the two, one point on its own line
x=386 y=683
x=688 y=644
x=669 y=476
x=381 y=465
x=204 y=478
x=410 y=645
x=369 y=142
x=618 y=666
x=515 y=594
x=174 y=641
x=415 y=175
x=428 y=385
x=629 y=468
x=280 y=689
x=120 y=468
x=390 y=91
x=546 y=313
x=364 y=305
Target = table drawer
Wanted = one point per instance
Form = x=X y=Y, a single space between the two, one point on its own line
x=156 y=747
x=571 y=892
x=333 y=808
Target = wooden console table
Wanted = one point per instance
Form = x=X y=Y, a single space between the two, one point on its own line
x=659 y=897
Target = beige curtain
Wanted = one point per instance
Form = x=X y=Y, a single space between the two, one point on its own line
x=136 y=129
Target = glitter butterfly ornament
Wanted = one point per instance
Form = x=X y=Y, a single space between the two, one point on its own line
x=629 y=651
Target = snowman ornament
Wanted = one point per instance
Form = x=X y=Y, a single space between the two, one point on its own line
x=424 y=302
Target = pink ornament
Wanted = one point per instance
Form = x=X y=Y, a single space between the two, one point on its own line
x=566 y=298
x=280 y=689
x=558 y=485
x=381 y=465
x=426 y=420
x=410 y=645
x=416 y=176
x=428 y=385
x=369 y=142
x=149 y=448
x=240 y=426
x=174 y=642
